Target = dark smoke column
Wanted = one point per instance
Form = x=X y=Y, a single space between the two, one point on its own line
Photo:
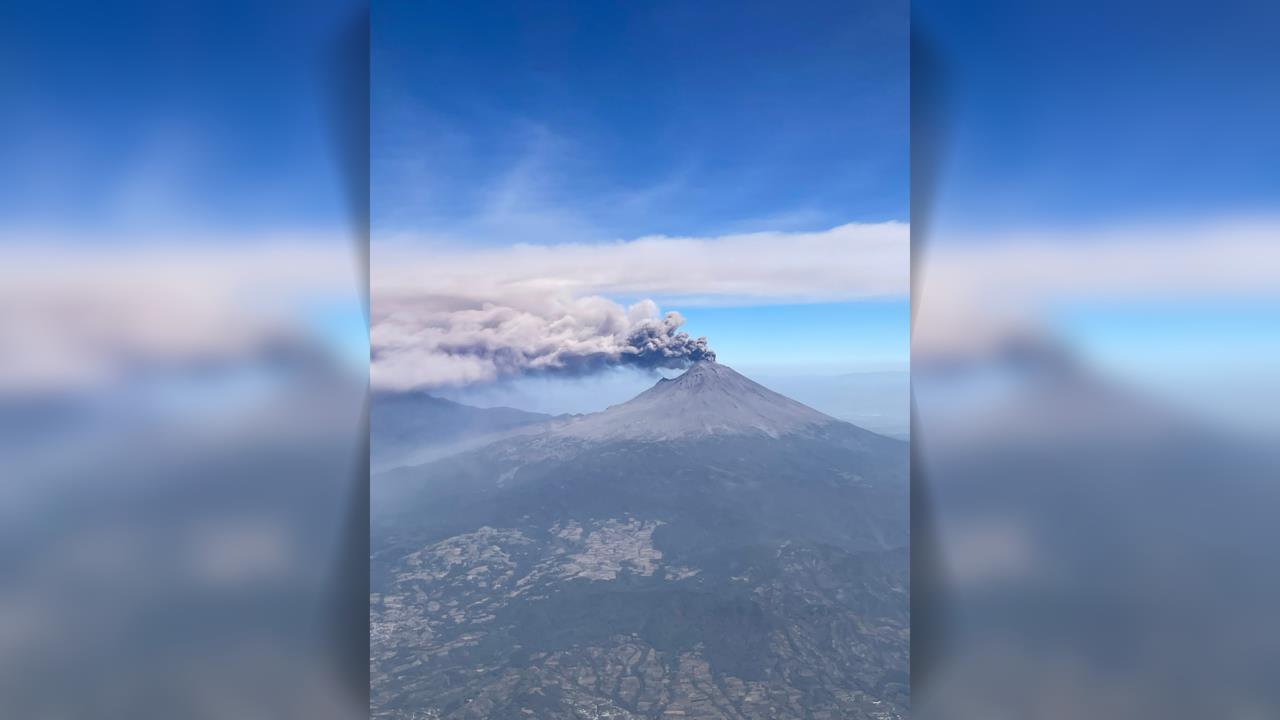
x=660 y=343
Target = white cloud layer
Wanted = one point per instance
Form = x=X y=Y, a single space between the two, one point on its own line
x=844 y=263
x=76 y=316
x=973 y=294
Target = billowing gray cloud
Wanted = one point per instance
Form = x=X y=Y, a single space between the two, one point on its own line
x=432 y=341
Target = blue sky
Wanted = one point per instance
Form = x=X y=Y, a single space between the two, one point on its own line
x=865 y=336
x=1097 y=123
x=1097 y=112
x=679 y=118
x=181 y=166
x=589 y=122
x=136 y=115
x=674 y=118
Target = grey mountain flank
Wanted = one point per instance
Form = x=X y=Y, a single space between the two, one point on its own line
x=708 y=399
x=708 y=549
x=412 y=428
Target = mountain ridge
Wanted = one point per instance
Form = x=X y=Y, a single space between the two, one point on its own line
x=413 y=428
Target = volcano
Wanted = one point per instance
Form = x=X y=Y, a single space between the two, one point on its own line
x=708 y=399
x=708 y=549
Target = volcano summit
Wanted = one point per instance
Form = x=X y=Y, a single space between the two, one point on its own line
x=709 y=549
x=708 y=399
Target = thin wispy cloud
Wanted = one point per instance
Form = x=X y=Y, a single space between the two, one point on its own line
x=546 y=188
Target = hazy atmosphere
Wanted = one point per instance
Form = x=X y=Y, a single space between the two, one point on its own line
x=639 y=334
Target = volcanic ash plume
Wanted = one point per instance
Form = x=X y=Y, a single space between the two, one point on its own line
x=424 y=342
x=659 y=343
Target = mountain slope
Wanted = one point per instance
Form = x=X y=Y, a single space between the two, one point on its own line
x=410 y=428
x=710 y=549
x=708 y=399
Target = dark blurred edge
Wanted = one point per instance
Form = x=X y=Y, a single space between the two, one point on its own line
x=349 y=619
x=928 y=108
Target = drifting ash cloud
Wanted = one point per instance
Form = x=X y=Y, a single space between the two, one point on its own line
x=445 y=317
x=442 y=341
